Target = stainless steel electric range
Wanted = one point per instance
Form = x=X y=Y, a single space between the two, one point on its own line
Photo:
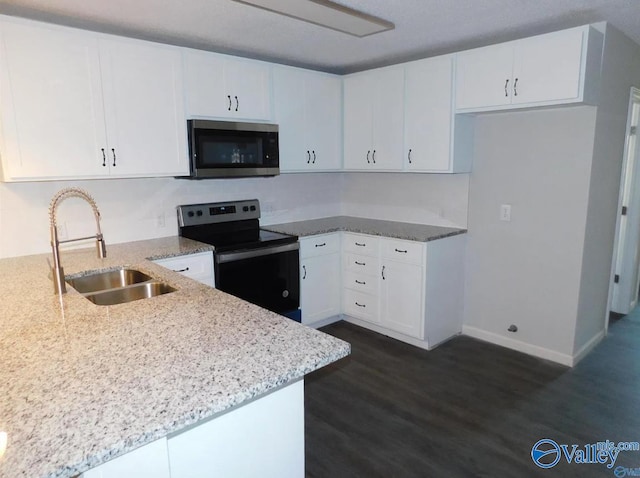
x=259 y=266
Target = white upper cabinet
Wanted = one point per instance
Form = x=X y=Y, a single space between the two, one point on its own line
x=556 y=68
x=308 y=110
x=373 y=120
x=78 y=104
x=428 y=115
x=220 y=86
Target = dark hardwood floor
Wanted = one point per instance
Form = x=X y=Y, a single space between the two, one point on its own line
x=467 y=408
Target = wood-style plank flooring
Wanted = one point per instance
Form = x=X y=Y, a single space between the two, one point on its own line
x=467 y=408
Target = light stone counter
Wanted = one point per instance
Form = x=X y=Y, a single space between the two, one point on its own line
x=82 y=384
x=374 y=227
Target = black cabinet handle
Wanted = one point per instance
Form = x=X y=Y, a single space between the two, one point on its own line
x=308 y=157
x=360 y=305
x=361 y=263
x=237 y=103
x=515 y=87
x=114 y=157
x=409 y=156
x=361 y=283
x=104 y=158
x=368 y=152
x=506 y=84
x=229 y=98
x=314 y=157
x=360 y=245
x=304 y=269
x=401 y=251
x=383 y=277
x=182 y=270
x=374 y=156
x=321 y=245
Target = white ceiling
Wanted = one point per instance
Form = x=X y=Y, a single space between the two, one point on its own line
x=423 y=27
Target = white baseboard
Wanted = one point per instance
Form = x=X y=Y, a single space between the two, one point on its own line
x=529 y=349
x=323 y=322
x=588 y=347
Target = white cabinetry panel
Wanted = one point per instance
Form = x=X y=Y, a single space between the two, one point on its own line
x=195 y=266
x=320 y=265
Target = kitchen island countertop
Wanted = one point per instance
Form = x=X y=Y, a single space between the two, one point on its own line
x=82 y=384
x=375 y=227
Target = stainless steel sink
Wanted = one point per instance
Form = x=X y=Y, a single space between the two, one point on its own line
x=118 y=286
x=130 y=293
x=108 y=280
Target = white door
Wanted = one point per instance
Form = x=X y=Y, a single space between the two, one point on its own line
x=146 y=125
x=320 y=287
x=148 y=461
x=323 y=113
x=205 y=85
x=428 y=114
x=51 y=103
x=289 y=109
x=401 y=298
x=627 y=263
x=547 y=67
x=248 y=85
x=359 y=91
x=388 y=119
x=484 y=77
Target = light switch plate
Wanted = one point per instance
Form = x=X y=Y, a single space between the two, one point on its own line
x=505 y=212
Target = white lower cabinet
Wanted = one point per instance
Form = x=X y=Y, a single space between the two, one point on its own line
x=412 y=291
x=320 y=277
x=148 y=461
x=197 y=266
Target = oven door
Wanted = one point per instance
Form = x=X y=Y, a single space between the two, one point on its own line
x=268 y=277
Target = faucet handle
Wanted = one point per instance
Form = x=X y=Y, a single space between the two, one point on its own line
x=101 y=246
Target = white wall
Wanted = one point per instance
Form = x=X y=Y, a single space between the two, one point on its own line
x=438 y=199
x=130 y=207
x=527 y=272
x=621 y=70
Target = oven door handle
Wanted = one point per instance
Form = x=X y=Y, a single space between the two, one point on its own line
x=224 y=257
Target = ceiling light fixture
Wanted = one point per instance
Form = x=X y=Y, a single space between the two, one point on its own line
x=325 y=14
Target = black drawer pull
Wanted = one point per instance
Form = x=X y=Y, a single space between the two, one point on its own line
x=360 y=305
x=321 y=245
x=361 y=263
x=383 y=277
x=182 y=270
x=304 y=268
x=104 y=158
x=403 y=252
x=360 y=245
x=361 y=283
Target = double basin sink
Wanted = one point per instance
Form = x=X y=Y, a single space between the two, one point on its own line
x=118 y=286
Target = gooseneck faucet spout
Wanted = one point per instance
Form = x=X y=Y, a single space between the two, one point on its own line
x=58 y=272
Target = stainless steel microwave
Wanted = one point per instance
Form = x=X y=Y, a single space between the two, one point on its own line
x=221 y=149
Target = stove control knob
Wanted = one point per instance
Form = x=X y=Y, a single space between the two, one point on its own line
x=253 y=208
x=190 y=214
x=285 y=293
x=199 y=213
x=245 y=208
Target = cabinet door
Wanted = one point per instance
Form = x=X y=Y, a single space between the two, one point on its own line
x=358 y=121
x=547 y=67
x=289 y=113
x=222 y=87
x=483 y=77
x=146 y=126
x=388 y=118
x=148 y=461
x=51 y=103
x=401 y=289
x=428 y=115
x=323 y=112
x=319 y=287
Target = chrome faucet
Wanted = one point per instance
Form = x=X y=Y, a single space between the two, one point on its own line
x=57 y=271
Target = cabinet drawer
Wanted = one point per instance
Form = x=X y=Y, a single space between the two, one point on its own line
x=195 y=266
x=362 y=264
x=361 y=244
x=361 y=305
x=319 y=245
x=403 y=251
x=361 y=282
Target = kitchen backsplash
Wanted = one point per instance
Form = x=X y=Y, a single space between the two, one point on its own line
x=135 y=209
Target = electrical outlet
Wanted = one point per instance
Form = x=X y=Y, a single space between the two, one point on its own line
x=63 y=235
x=505 y=212
x=268 y=207
x=160 y=220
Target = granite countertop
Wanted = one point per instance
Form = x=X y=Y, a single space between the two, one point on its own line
x=82 y=384
x=374 y=227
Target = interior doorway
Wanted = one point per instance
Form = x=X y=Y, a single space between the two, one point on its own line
x=626 y=276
